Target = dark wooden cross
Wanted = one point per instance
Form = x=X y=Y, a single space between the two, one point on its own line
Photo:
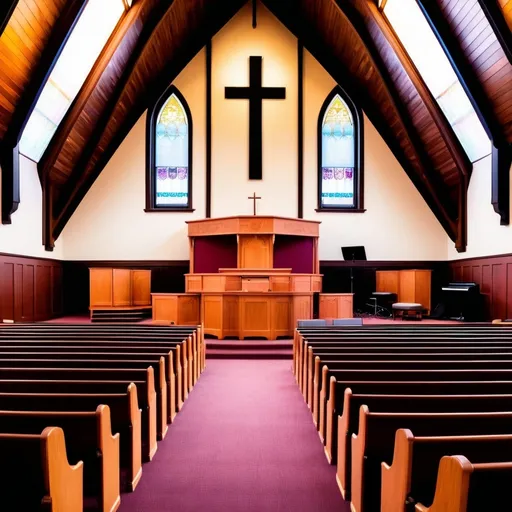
x=255 y=93
x=254 y=197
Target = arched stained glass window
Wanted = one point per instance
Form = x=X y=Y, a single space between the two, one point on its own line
x=170 y=154
x=340 y=173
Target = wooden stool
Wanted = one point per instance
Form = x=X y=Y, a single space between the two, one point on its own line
x=404 y=309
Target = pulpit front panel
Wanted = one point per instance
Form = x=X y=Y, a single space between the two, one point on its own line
x=188 y=310
x=231 y=318
x=281 y=317
x=255 y=251
x=122 y=287
x=212 y=314
x=255 y=316
x=141 y=287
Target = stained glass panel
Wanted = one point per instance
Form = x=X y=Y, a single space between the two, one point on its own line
x=338 y=156
x=171 y=155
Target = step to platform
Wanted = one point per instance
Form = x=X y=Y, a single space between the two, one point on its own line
x=248 y=349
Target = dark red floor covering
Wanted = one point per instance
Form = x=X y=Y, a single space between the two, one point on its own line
x=244 y=441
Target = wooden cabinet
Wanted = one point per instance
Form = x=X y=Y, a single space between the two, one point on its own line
x=410 y=285
x=112 y=288
x=336 y=305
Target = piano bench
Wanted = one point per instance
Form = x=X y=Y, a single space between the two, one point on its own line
x=411 y=310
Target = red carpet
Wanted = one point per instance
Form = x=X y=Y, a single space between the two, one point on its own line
x=244 y=442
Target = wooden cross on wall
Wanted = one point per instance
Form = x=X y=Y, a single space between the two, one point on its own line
x=254 y=197
x=255 y=93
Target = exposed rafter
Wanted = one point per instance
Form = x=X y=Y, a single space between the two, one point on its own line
x=8 y=150
x=500 y=195
x=499 y=24
x=6 y=9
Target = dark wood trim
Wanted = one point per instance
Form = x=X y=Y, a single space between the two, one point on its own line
x=463 y=70
x=151 y=119
x=24 y=256
x=429 y=184
x=452 y=142
x=9 y=152
x=58 y=140
x=500 y=182
x=498 y=23
x=10 y=165
x=336 y=209
x=480 y=102
x=208 y=156
x=6 y=11
x=357 y=116
x=254 y=13
x=77 y=188
x=162 y=209
x=129 y=263
x=419 y=264
x=49 y=57
x=300 y=130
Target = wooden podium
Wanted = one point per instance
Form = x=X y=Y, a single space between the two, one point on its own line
x=252 y=275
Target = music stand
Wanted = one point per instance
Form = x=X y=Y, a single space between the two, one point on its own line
x=353 y=253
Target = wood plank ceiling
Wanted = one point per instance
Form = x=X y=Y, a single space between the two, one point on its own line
x=351 y=39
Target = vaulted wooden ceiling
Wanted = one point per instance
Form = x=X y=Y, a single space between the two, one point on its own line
x=352 y=40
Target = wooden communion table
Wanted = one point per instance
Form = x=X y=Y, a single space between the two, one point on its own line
x=250 y=276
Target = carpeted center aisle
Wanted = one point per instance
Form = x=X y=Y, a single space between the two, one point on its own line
x=244 y=441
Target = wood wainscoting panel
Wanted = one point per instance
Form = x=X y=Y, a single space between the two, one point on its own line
x=255 y=251
x=255 y=316
x=31 y=288
x=281 y=311
x=122 y=287
x=141 y=287
x=233 y=283
x=28 y=299
x=231 y=316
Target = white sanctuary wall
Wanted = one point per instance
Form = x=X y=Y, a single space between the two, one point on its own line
x=25 y=235
x=110 y=223
x=486 y=237
x=397 y=224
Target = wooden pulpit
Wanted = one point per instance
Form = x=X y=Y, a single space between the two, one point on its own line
x=253 y=276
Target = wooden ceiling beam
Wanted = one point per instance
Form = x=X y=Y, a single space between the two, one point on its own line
x=8 y=150
x=427 y=184
x=499 y=24
x=480 y=101
x=6 y=9
x=59 y=139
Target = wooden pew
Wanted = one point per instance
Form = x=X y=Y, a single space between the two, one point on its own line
x=146 y=397
x=314 y=367
x=39 y=476
x=400 y=374
x=373 y=443
x=411 y=342
x=157 y=364
x=183 y=365
x=466 y=487
x=411 y=478
x=171 y=357
x=125 y=417
x=88 y=438
x=339 y=439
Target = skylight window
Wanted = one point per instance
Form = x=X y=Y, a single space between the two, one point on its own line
x=81 y=51
x=432 y=63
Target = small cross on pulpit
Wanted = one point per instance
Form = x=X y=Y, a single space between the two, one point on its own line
x=254 y=197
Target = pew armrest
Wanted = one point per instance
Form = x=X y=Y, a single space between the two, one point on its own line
x=110 y=460
x=358 y=456
x=396 y=479
x=343 y=460
x=452 y=486
x=136 y=433
x=63 y=482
